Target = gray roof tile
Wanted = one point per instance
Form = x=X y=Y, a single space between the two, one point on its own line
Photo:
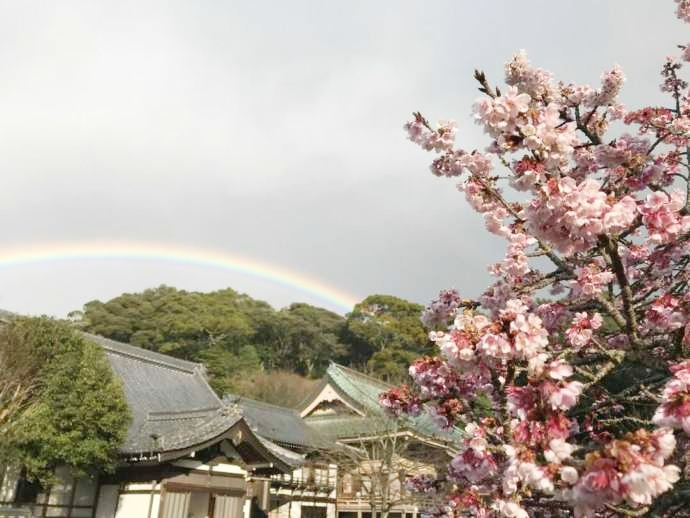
x=279 y=424
x=172 y=405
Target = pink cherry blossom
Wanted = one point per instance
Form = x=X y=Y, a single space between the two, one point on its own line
x=500 y=115
x=666 y=314
x=442 y=139
x=536 y=82
x=558 y=451
x=568 y=474
x=562 y=396
x=591 y=280
x=510 y=509
x=399 y=401
x=441 y=310
x=683 y=11
x=560 y=369
x=674 y=411
x=611 y=83
x=572 y=216
x=475 y=462
x=661 y=215
x=582 y=329
x=554 y=364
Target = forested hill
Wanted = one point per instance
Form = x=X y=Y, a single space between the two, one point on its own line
x=248 y=346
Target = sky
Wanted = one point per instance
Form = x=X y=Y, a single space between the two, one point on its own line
x=268 y=133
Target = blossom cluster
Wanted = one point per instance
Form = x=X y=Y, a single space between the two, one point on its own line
x=683 y=11
x=571 y=216
x=661 y=215
x=443 y=309
x=630 y=469
x=399 y=401
x=674 y=410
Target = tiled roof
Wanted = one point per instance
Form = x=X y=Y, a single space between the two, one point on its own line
x=123 y=349
x=174 y=409
x=289 y=457
x=171 y=403
x=362 y=392
x=279 y=424
x=339 y=427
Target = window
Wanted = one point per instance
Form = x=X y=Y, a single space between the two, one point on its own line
x=313 y=512
x=347 y=487
x=67 y=497
x=9 y=475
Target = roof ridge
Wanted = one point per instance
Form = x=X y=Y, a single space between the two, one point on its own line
x=190 y=413
x=309 y=396
x=361 y=374
x=147 y=356
x=239 y=398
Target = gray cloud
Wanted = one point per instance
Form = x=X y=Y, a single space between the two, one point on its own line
x=271 y=129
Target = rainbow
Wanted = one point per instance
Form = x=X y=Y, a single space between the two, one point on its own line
x=114 y=250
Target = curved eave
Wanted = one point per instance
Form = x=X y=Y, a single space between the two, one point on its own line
x=238 y=434
x=433 y=442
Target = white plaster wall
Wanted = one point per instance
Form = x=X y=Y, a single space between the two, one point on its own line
x=327 y=394
x=232 y=469
x=156 y=505
x=145 y=486
x=278 y=512
x=133 y=506
x=294 y=510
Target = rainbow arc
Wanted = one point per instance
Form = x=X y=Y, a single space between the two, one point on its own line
x=172 y=253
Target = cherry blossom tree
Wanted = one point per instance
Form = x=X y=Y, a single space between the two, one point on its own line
x=571 y=381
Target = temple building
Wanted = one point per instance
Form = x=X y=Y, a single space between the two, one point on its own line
x=356 y=458
x=186 y=455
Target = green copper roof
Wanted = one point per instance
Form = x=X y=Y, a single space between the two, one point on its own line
x=339 y=427
x=362 y=392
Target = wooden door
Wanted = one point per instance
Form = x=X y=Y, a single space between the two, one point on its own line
x=175 y=504
x=228 y=506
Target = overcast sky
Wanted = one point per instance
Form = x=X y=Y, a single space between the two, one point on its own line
x=271 y=130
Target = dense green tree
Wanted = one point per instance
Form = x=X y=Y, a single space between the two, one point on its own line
x=220 y=328
x=238 y=337
x=172 y=321
x=384 y=333
x=310 y=338
x=279 y=387
x=19 y=367
x=391 y=364
x=77 y=414
x=228 y=369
